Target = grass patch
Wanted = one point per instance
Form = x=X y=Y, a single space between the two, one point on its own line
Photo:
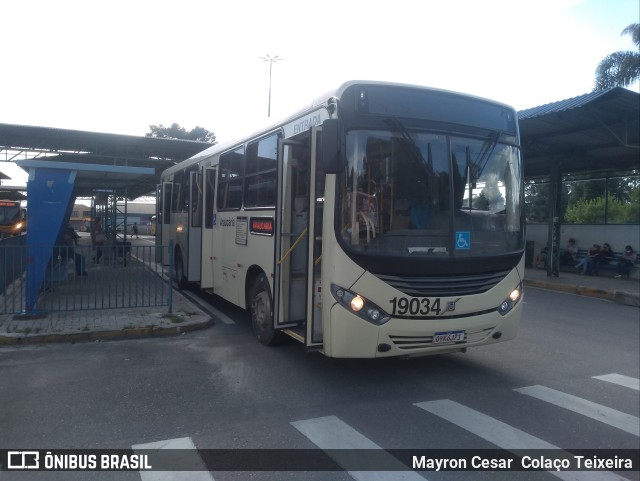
x=174 y=318
x=26 y=330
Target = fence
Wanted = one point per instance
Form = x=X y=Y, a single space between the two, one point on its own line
x=121 y=275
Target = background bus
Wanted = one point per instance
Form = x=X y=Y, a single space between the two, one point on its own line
x=386 y=220
x=13 y=218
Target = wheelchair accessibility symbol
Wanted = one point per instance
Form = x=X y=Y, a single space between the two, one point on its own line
x=463 y=240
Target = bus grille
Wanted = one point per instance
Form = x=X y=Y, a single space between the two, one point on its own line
x=450 y=286
x=407 y=343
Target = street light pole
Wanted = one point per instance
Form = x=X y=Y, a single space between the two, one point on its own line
x=271 y=61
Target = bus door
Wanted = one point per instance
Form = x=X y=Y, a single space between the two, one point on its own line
x=195 y=226
x=210 y=273
x=297 y=289
x=166 y=233
x=157 y=230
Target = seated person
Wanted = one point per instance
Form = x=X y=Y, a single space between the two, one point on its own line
x=420 y=215
x=628 y=259
x=603 y=257
x=587 y=263
x=569 y=254
x=540 y=261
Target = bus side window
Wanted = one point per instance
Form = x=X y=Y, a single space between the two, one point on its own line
x=180 y=192
x=260 y=183
x=230 y=179
x=196 y=199
x=210 y=186
x=167 y=187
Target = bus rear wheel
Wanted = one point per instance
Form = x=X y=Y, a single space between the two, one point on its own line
x=261 y=305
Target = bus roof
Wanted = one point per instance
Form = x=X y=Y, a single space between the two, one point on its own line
x=318 y=102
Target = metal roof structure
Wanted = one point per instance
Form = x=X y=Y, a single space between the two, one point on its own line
x=19 y=142
x=597 y=131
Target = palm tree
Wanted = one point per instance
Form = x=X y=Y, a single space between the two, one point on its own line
x=620 y=69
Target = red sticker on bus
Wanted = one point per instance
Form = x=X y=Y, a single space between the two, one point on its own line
x=261 y=225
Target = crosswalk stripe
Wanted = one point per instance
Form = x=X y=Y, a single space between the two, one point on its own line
x=178 y=443
x=494 y=431
x=331 y=433
x=504 y=435
x=604 y=414
x=626 y=381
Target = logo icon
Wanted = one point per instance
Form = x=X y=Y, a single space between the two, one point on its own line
x=23 y=460
x=463 y=240
x=451 y=305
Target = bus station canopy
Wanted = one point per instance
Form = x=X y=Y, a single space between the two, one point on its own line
x=87 y=176
x=111 y=151
x=597 y=131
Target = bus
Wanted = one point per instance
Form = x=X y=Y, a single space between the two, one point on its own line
x=13 y=218
x=384 y=220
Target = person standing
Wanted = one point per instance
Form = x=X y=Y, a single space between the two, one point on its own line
x=135 y=229
x=68 y=242
x=98 y=238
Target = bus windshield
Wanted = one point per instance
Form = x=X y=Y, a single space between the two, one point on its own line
x=9 y=212
x=424 y=195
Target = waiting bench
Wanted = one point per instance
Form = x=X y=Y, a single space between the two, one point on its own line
x=611 y=267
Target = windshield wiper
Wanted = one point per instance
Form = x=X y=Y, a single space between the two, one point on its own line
x=410 y=143
x=486 y=151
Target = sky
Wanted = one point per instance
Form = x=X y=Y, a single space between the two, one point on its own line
x=119 y=66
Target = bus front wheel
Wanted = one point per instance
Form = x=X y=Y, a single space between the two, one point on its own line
x=262 y=312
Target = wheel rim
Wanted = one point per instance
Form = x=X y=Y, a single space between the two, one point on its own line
x=262 y=309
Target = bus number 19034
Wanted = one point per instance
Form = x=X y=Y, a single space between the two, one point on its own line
x=414 y=306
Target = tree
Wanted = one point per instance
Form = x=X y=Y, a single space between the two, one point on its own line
x=592 y=211
x=537 y=194
x=177 y=132
x=620 y=69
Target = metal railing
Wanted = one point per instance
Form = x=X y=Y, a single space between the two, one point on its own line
x=119 y=275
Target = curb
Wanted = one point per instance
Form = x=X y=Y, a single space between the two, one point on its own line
x=112 y=335
x=627 y=299
x=620 y=297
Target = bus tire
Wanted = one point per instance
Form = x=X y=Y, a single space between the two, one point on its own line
x=178 y=268
x=261 y=306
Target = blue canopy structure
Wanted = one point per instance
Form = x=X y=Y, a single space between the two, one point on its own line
x=51 y=188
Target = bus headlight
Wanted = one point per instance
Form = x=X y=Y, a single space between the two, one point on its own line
x=511 y=300
x=359 y=305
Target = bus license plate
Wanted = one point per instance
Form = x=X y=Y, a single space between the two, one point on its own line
x=448 y=337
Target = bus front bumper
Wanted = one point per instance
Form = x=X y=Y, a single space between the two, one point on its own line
x=354 y=337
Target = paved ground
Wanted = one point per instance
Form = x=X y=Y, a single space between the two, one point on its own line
x=622 y=291
x=186 y=315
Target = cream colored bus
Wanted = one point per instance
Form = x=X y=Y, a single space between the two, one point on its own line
x=385 y=220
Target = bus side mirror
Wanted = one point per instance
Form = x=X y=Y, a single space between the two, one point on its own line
x=332 y=154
